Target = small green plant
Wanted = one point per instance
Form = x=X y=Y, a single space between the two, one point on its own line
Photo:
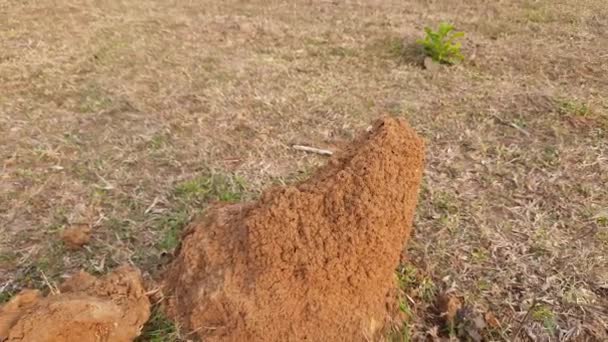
x=407 y=277
x=401 y=334
x=602 y=219
x=413 y=282
x=225 y=188
x=190 y=195
x=440 y=45
x=544 y=315
x=603 y=237
x=427 y=289
x=5 y=296
x=479 y=255
x=159 y=329
x=172 y=226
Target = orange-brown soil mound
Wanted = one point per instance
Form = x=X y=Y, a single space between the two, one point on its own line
x=312 y=262
x=112 y=308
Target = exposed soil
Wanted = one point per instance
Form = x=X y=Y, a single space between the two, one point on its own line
x=111 y=308
x=310 y=262
x=77 y=236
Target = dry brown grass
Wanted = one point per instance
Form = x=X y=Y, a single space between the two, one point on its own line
x=106 y=107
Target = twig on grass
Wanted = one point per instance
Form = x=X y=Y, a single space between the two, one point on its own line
x=312 y=150
x=504 y=122
x=54 y=290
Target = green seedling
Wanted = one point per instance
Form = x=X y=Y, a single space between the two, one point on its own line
x=440 y=45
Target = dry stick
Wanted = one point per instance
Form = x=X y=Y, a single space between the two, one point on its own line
x=312 y=150
x=154 y=202
x=521 y=324
x=504 y=122
x=54 y=290
x=5 y=286
x=107 y=185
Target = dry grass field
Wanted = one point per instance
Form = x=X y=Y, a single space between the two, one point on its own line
x=129 y=116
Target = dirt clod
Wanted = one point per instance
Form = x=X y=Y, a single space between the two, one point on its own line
x=76 y=236
x=448 y=305
x=491 y=320
x=312 y=262
x=111 y=308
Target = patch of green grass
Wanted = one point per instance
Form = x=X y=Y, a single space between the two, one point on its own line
x=579 y=295
x=450 y=222
x=407 y=277
x=404 y=307
x=479 y=255
x=483 y=285
x=219 y=187
x=390 y=47
x=539 y=249
x=395 y=46
x=190 y=196
x=550 y=156
x=543 y=314
x=577 y=109
x=5 y=296
x=159 y=328
x=412 y=281
x=120 y=227
x=51 y=265
x=440 y=45
x=602 y=236
x=446 y=203
x=51 y=261
x=342 y=51
x=7 y=258
x=573 y=107
x=25 y=174
x=540 y=246
x=47 y=267
x=541 y=234
x=157 y=142
x=294 y=177
x=427 y=290
x=402 y=334
x=172 y=226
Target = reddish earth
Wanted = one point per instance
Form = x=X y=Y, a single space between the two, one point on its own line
x=77 y=236
x=111 y=308
x=311 y=262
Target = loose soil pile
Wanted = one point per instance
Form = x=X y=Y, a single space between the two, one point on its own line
x=112 y=308
x=312 y=262
x=76 y=237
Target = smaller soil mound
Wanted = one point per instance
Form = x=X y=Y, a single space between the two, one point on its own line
x=112 y=308
x=77 y=236
x=312 y=262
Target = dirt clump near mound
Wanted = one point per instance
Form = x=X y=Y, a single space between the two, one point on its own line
x=76 y=237
x=111 y=308
x=311 y=262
